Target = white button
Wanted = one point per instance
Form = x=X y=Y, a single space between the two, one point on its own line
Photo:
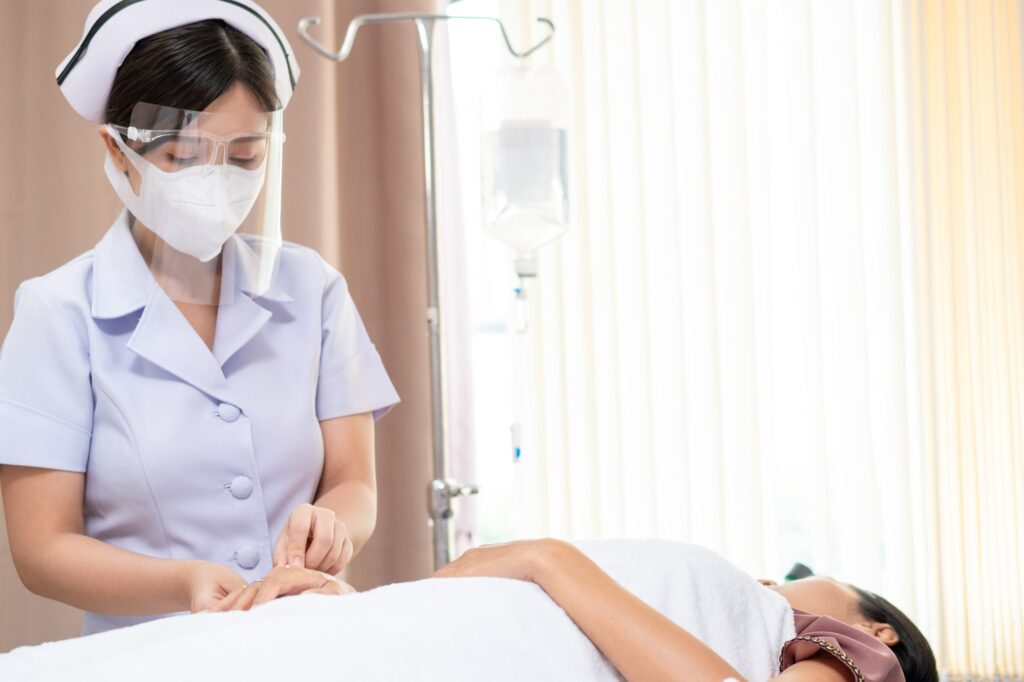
x=248 y=556
x=240 y=487
x=228 y=412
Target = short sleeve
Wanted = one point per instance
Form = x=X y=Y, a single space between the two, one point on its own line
x=867 y=659
x=46 y=399
x=352 y=378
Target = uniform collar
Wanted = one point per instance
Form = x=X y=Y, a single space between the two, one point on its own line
x=122 y=282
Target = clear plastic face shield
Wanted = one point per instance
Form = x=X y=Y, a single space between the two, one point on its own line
x=204 y=189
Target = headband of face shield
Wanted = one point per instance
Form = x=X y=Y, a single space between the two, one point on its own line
x=204 y=185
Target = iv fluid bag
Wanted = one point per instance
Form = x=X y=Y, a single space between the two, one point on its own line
x=524 y=160
x=525 y=179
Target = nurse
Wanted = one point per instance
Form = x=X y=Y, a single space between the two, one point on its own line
x=190 y=405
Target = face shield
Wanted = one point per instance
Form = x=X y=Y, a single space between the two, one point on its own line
x=204 y=190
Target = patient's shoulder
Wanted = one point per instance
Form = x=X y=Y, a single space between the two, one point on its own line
x=819 y=668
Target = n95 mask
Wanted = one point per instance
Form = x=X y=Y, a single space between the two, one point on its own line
x=194 y=210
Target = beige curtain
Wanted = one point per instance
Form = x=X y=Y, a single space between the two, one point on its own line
x=353 y=183
x=968 y=118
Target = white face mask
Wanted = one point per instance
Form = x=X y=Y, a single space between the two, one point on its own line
x=194 y=210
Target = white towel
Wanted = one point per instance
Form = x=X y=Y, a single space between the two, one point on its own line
x=453 y=629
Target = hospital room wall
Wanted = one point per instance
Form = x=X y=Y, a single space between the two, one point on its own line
x=352 y=190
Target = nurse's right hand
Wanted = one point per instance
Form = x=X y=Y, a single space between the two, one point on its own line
x=209 y=583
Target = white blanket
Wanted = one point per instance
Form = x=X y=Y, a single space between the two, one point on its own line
x=453 y=629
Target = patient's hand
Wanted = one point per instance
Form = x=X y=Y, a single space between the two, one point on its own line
x=516 y=560
x=281 y=582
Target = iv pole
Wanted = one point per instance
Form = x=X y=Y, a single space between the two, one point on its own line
x=442 y=490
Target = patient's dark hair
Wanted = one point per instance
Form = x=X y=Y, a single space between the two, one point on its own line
x=913 y=652
x=188 y=67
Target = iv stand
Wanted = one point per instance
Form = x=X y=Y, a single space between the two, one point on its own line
x=442 y=490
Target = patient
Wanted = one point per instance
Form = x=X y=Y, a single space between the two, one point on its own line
x=843 y=632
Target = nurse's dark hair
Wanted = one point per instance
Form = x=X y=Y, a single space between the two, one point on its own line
x=188 y=67
x=912 y=651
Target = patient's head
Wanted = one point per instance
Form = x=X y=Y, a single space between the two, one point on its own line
x=874 y=615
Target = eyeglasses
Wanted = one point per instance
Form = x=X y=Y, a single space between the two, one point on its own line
x=180 y=149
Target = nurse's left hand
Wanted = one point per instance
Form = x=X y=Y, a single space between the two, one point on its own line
x=282 y=582
x=314 y=538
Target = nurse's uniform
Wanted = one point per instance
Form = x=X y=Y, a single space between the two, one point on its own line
x=188 y=453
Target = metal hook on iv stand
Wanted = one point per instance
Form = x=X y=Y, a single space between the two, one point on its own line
x=442 y=490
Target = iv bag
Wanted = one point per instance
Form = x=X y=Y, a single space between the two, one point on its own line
x=524 y=161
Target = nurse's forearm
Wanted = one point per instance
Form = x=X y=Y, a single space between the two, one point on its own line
x=95 y=576
x=355 y=504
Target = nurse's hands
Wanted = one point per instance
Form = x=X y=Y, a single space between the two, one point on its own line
x=209 y=584
x=314 y=538
x=281 y=582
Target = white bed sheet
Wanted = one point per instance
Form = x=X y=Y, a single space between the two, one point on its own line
x=454 y=629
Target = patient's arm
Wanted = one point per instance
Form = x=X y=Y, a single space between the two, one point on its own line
x=55 y=559
x=638 y=640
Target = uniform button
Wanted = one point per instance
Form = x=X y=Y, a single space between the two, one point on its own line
x=248 y=556
x=241 y=487
x=228 y=412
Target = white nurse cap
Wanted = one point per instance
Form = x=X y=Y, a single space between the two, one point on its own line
x=114 y=26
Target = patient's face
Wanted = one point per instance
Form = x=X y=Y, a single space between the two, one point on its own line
x=823 y=596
